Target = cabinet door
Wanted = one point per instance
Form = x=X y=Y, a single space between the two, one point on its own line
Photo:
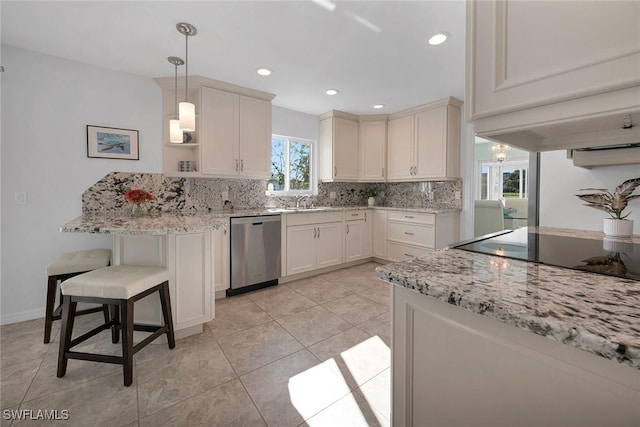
x=193 y=297
x=400 y=149
x=367 y=236
x=379 y=234
x=430 y=143
x=345 y=149
x=219 y=132
x=220 y=259
x=329 y=244
x=255 y=137
x=373 y=142
x=355 y=240
x=301 y=248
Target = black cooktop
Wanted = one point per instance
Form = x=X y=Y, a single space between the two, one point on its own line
x=611 y=257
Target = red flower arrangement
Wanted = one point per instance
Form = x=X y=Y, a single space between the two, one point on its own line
x=137 y=196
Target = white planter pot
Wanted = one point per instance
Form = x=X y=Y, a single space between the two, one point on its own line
x=618 y=227
x=371 y=201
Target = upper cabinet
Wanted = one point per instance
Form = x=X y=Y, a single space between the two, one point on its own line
x=373 y=148
x=551 y=75
x=338 y=147
x=424 y=143
x=233 y=131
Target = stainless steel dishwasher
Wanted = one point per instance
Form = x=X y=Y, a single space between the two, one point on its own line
x=255 y=253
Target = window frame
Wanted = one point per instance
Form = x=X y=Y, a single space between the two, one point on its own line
x=313 y=182
x=496 y=170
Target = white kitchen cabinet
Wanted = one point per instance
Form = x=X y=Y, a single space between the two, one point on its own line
x=220 y=260
x=314 y=240
x=567 y=87
x=187 y=257
x=424 y=143
x=235 y=134
x=372 y=148
x=357 y=235
x=414 y=234
x=484 y=372
x=379 y=234
x=338 y=146
x=233 y=131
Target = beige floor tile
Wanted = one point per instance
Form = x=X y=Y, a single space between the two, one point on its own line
x=357 y=357
x=234 y=300
x=268 y=292
x=380 y=294
x=284 y=303
x=196 y=364
x=15 y=330
x=355 y=309
x=379 y=326
x=313 y=325
x=352 y=410
x=257 y=346
x=101 y=402
x=293 y=389
x=78 y=372
x=24 y=347
x=236 y=317
x=377 y=392
x=321 y=292
x=227 y=405
x=15 y=381
x=7 y=419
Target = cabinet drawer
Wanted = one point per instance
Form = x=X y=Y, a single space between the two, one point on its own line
x=399 y=252
x=313 y=218
x=414 y=217
x=420 y=235
x=354 y=215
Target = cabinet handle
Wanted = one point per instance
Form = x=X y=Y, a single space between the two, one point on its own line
x=355 y=214
x=408 y=234
x=318 y=232
x=236 y=165
x=365 y=217
x=409 y=255
x=315 y=232
x=347 y=228
x=335 y=171
x=409 y=216
x=242 y=165
x=383 y=172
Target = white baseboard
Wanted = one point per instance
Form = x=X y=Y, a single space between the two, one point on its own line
x=36 y=313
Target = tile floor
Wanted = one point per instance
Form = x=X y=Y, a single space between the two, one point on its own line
x=312 y=352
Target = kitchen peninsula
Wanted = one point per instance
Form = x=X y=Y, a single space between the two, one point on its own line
x=488 y=340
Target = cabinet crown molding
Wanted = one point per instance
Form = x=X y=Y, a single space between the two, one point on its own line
x=435 y=104
x=167 y=83
x=336 y=113
x=373 y=117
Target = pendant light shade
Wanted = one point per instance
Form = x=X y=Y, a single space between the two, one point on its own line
x=187 y=110
x=175 y=133
x=187 y=116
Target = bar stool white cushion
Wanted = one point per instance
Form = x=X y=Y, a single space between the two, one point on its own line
x=116 y=281
x=77 y=261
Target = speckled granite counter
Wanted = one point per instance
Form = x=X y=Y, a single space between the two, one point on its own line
x=166 y=223
x=596 y=313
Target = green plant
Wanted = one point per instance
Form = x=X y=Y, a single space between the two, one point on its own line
x=371 y=192
x=614 y=204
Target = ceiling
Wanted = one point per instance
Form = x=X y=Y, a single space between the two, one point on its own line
x=373 y=52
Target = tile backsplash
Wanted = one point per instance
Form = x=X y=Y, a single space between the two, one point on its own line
x=201 y=194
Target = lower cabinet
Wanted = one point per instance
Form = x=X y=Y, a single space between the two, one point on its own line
x=220 y=263
x=314 y=240
x=357 y=235
x=379 y=234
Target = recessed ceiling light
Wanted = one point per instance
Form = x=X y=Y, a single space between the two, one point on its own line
x=263 y=71
x=378 y=106
x=331 y=91
x=437 y=39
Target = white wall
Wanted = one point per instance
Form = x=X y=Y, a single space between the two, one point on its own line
x=560 y=181
x=46 y=104
x=287 y=122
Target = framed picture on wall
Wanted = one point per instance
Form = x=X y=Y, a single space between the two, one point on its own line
x=112 y=143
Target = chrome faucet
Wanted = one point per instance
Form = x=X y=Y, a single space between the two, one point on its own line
x=299 y=198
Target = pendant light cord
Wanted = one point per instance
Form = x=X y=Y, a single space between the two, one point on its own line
x=175 y=92
x=186 y=67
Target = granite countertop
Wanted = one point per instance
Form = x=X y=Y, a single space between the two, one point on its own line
x=596 y=313
x=166 y=223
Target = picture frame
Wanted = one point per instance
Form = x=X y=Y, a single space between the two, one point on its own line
x=112 y=143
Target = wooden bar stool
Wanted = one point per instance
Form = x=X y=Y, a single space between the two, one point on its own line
x=66 y=266
x=118 y=286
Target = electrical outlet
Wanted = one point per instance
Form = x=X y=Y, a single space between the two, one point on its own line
x=332 y=194
x=430 y=195
x=225 y=196
x=20 y=198
x=457 y=195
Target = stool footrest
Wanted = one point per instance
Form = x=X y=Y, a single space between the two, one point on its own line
x=93 y=357
x=158 y=331
x=92 y=333
x=57 y=313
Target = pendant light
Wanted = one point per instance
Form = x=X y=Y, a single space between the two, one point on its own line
x=186 y=108
x=175 y=133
